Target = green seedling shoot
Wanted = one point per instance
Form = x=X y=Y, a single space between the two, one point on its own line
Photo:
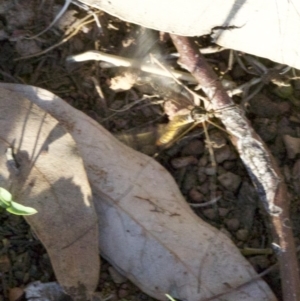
x=13 y=207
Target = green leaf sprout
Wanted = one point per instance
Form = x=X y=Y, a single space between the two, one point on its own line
x=13 y=207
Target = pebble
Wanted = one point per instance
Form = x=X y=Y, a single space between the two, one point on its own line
x=242 y=234
x=260 y=262
x=292 y=145
x=122 y=293
x=226 y=232
x=193 y=148
x=228 y=165
x=15 y=293
x=263 y=106
x=116 y=276
x=211 y=214
x=223 y=211
x=232 y=224
x=196 y=196
x=201 y=176
x=189 y=181
x=217 y=139
x=203 y=161
x=210 y=171
x=204 y=188
x=222 y=154
x=230 y=181
x=183 y=161
x=266 y=128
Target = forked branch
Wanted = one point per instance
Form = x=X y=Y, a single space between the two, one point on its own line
x=259 y=162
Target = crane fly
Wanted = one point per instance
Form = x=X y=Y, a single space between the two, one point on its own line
x=176 y=127
x=180 y=125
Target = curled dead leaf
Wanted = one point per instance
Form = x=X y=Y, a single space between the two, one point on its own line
x=47 y=174
x=147 y=230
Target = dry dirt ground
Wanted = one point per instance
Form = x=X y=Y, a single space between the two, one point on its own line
x=135 y=116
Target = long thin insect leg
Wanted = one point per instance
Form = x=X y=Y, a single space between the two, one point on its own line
x=209 y=143
x=213 y=161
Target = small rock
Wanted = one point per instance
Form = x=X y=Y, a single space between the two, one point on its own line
x=15 y=293
x=210 y=170
x=223 y=211
x=266 y=128
x=189 y=181
x=228 y=165
x=263 y=106
x=193 y=148
x=292 y=145
x=5 y=264
x=226 y=232
x=203 y=161
x=222 y=154
x=204 y=188
x=183 y=161
x=210 y=214
x=27 y=47
x=232 y=224
x=116 y=276
x=196 y=196
x=122 y=293
x=230 y=181
x=217 y=139
x=242 y=234
x=201 y=176
x=260 y=262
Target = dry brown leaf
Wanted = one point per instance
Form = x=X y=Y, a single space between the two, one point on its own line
x=51 y=178
x=147 y=230
x=269 y=29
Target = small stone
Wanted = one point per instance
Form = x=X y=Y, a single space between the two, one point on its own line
x=122 y=293
x=225 y=231
x=189 y=181
x=222 y=154
x=210 y=171
x=230 y=181
x=203 y=161
x=116 y=276
x=223 y=211
x=204 y=188
x=232 y=224
x=201 y=176
x=15 y=293
x=263 y=106
x=5 y=264
x=292 y=145
x=228 y=165
x=242 y=234
x=217 y=139
x=210 y=214
x=196 y=196
x=193 y=148
x=260 y=262
x=183 y=161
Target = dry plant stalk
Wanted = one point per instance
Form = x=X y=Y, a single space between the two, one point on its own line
x=259 y=162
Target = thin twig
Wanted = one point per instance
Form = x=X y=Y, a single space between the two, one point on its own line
x=64 y=40
x=57 y=17
x=259 y=162
x=125 y=62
